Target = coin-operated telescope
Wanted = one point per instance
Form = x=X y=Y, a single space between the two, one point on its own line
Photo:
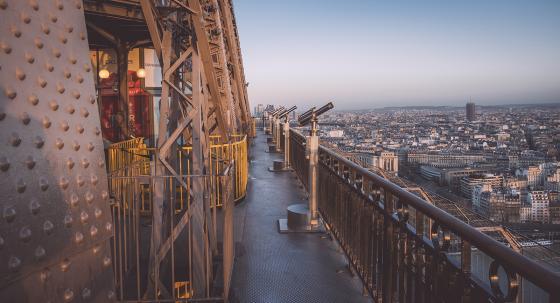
x=279 y=165
x=271 y=117
x=305 y=217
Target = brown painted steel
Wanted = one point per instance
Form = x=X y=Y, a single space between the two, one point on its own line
x=56 y=222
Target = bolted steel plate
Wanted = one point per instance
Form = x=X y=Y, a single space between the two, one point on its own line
x=55 y=220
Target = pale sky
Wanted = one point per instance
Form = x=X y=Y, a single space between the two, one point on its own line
x=367 y=54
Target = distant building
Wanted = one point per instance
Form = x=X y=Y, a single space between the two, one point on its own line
x=469 y=183
x=539 y=206
x=471 y=111
x=336 y=133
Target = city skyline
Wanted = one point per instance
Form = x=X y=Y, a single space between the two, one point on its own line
x=371 y=55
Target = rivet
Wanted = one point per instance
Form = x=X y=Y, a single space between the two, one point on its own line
x=15 y=140
x=46 y=122
x=87 y=68
x=9 y=214
x=84 y=217
x=106 y=261
x=45 y=29
x=84 y=112
x=60 y=88
x=97 y=212
x=53 y=18
x=68 y=220
x=41 y=81
x=48 y=227
x=16 y=32
x=85 y=162
x=83 y=36
x=20 y=75
x=76 y=94
x=70 y=163
x=50 y=67
x=65 y=265
x=10 y=92
x=39 y=253
x=4 y=163
x=25 y=18
x=63 y=182
x=33 y=99
x=59 y=5
x=79 y=128
x=110 y=295
x=74 y=199
x=3 y=4
x=93 y=231
x=76 y=145
x=14 y=263
x=56 y=52
x=67 y=73
x=29 y=58
x=96 y=249
x=30 y=162
x=53 y=105
x=79 y=78
x=21 y=186
x=69 y=28
x=108 y=226
x=94 y=180
x=79 y=237
x=25 y=119
x=45 y=275
x=34 y=207
x=64 y=126
x=80 y=180
x=25 y=234
x=73 y=60
x=34 y=4
x=97 y=131
x=90 y=146
x=86 y=293
x=63 y=39
x=70 y=109
x=101 y=163
x=43 y=184
x=79 y=4
x=68 y=295
x=104 y=194
x=89 y=197
x=38 y=43
x=59 y=143
x=5 y=47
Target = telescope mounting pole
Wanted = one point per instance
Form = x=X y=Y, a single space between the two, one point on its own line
x=313 y=156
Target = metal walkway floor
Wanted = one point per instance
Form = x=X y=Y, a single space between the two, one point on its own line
x=274 y=267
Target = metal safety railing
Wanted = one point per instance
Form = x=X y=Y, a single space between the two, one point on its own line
x=405 y=249
x=139 y=160
x=180 y=266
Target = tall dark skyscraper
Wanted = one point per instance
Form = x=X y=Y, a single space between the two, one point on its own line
x=471 y=111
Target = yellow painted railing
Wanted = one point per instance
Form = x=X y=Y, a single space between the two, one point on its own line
x=132 y=158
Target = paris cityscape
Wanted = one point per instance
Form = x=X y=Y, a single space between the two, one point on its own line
x=233 y=151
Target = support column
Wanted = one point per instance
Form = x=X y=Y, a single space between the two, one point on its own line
x=122 y=71
x=286 y=144
x=313 y=155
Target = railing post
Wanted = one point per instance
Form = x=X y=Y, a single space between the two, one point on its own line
x=276 y=134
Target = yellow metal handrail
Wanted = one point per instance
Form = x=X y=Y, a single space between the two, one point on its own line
x=134 y=159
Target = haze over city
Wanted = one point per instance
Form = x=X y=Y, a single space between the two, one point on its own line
x=369 y=54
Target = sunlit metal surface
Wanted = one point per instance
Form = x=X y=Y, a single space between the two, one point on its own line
x=56 y=221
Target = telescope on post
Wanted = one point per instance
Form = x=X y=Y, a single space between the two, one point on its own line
x=286 y=112
x=305 y=217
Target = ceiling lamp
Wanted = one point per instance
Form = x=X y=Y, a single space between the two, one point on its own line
x=141 y=73
x=103 y=74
